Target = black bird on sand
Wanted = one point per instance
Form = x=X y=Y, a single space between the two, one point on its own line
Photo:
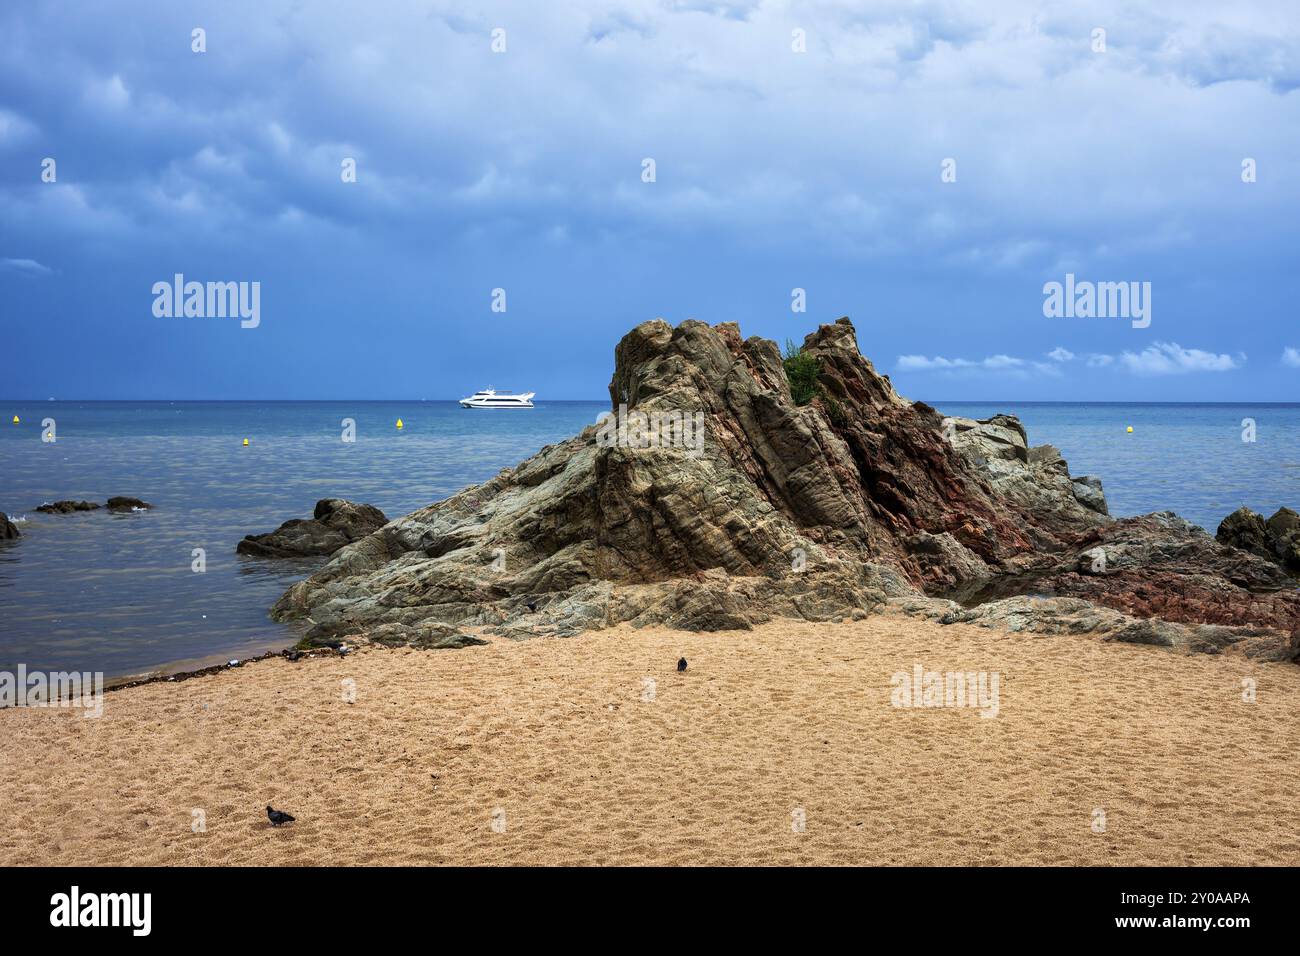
x=681 y=664
x=277 y=817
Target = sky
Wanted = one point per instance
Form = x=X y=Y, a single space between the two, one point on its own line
x=926 y=168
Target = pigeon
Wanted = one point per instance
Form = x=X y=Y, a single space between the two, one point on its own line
x=681 y=664
x=277 y=817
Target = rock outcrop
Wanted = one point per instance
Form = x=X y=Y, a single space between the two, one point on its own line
x=711 y=500
x=8 y=530
x=1160 y=565
x=334 y=523
x=1037 y=479
x=1277 y=539
x=1069 y=616
x=428 y=636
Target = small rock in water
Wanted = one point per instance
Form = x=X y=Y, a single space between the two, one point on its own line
x=66 y=507
x=122 y=503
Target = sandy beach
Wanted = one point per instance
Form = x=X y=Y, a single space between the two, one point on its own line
x=557 y=751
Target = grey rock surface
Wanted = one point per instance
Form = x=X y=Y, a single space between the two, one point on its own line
x=335 y=523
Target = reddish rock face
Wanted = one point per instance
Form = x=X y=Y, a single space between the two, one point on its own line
x=1162 y=566
x=773 y=508
x=859 y=467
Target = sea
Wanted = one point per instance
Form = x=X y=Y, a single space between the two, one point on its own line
x=127 y=594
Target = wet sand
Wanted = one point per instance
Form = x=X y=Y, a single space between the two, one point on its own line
x=554 y=751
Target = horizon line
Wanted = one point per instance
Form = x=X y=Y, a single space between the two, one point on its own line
x=604 y=401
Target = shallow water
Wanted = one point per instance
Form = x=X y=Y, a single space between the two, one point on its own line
x=116 y=593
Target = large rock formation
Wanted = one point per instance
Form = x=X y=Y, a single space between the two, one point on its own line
x=8 y=530
x=1277 y=539
x=768 y=508
x=334 y=523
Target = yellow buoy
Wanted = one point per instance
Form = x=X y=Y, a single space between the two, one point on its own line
x=15 y=419
x=245 y=441
x=399 y=424
x=1130 y=428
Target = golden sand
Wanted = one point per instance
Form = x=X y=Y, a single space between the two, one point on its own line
x=557 y=742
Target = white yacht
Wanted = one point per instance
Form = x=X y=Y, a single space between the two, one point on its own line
x=490 y=398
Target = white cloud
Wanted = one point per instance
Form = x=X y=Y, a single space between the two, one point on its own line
x=1170 y=358
x=1291 y=357
x=923 y=363
x=109 y=93
x=1161 y=358
x=14 y=128
x=28 y=267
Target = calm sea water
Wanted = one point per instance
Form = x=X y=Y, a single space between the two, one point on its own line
x=116 y=593
x=94 y=591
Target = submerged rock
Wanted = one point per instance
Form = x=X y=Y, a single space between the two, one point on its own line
x=1277 y=539
x=113 y=504
x=711 y=500
x=335 y=523
x=126 y=504
x=66 y=507
x=8 y=530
